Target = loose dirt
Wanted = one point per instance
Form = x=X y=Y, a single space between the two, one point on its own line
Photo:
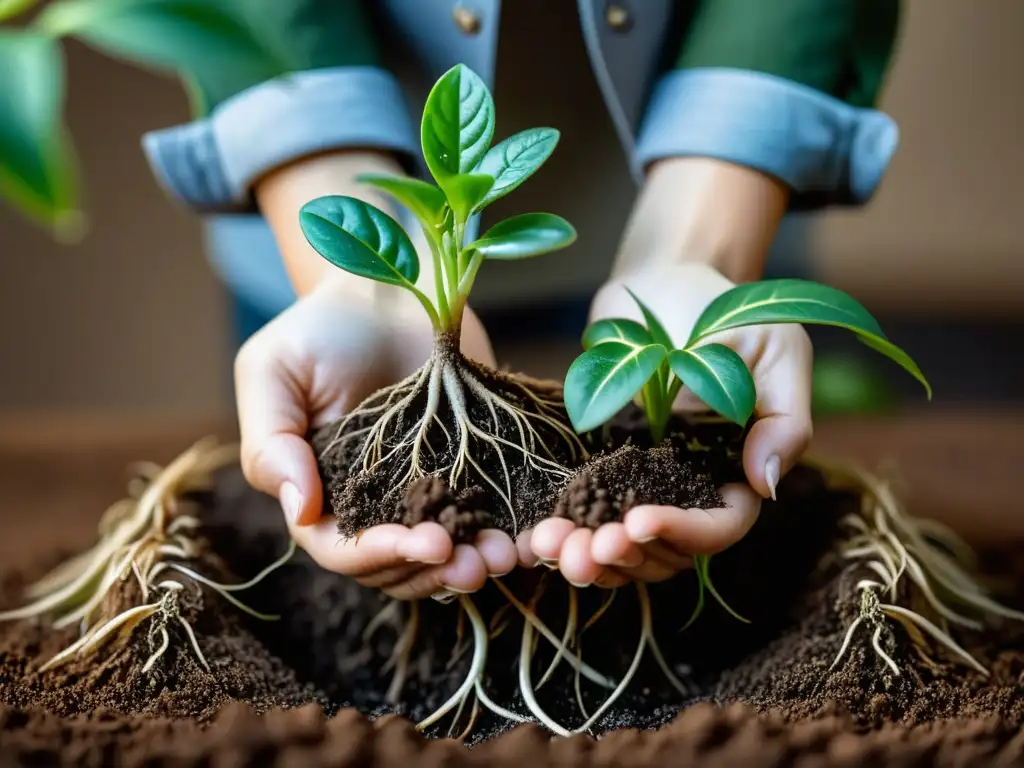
x=313 y=689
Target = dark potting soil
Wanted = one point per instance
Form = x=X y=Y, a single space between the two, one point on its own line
x=782 y=576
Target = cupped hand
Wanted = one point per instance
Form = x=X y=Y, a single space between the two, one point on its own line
x=307 y=368
x=653 y=543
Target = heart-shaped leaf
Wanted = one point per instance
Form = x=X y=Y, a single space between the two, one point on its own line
x=616 y=329
x=798 y=301
x=719 y=377
x=604 y=379
x=465 y=191
x=529 y=234
x=424 y=201
x=658 y=332
x=360 y=239
x=458 y=124
x=517 y=158
x=37 y=165
x=211 y=40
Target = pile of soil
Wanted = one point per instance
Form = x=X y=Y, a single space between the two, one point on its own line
x=313 y=690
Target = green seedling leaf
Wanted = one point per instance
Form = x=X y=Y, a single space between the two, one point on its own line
x=719 y=377
x=360 y=239
x=615 y=329
x=37 y=162
x=658 y=332
x=517 y=158
x=799 y=301
x=604 y=379
x=465 y=191
x=529 y=234
x=424 y=201
x=458 y=124
x=211 y=40
x=12 y=8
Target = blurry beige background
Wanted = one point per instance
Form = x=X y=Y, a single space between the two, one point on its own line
x=133 y=320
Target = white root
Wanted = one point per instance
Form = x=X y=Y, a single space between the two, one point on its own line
x=902 y=552
x=142 y=537
x=476 y=667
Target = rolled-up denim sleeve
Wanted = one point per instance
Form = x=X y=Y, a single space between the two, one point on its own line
x=332 y=95
x=787 y=88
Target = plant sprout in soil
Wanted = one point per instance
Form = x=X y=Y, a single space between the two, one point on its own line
x=452 y=418
x=625 y=360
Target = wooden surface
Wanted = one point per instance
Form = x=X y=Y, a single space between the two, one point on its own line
x=57 y=475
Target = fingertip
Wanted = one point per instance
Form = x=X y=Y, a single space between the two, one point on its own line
x=498 y=551
x=644 y=523
x=467 y=571
x=524 y=547
x=611 y=545
x=549 y=536
x=427 y=543
x=576 y=563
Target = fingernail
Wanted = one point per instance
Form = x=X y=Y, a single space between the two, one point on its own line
x=772 y=468
x=578 y=586
x=646 y=540
x=291 y=501
x=443 y=597
x=456 y=591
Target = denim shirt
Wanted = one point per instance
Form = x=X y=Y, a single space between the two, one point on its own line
x=785 y=87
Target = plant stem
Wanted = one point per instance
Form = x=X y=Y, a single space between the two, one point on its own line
x=442 y=297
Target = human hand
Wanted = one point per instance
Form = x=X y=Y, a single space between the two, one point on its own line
x=308 y=367
x=653 y=543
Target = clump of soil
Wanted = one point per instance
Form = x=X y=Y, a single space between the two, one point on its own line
x=430 y=499
x=607 y=487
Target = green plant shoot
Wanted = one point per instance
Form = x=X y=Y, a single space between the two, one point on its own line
x=469 y=174
x=625 y=359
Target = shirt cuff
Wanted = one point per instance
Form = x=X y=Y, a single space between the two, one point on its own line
x=211 y=164
x=826 y=151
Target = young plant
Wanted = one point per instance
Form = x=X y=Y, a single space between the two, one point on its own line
x=625 y=359
x=480 y=416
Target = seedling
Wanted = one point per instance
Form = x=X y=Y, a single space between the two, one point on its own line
x=480 y=416
x=624 y=359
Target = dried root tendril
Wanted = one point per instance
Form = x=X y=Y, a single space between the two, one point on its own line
x=910 y=560
x=143 y=537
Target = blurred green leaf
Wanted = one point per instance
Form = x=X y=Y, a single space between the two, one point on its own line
x=843 y=385
x=9 y=9
x=37 y=165
x=210 y=40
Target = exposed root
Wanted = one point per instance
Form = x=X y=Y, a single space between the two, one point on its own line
x=914 y=562
x=448 y=415
x=143 y=537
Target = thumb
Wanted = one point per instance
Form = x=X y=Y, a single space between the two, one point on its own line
x=783 y=428
x=276 y=457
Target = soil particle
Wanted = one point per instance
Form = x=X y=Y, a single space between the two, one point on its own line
x=609 y=486
x=430 y=498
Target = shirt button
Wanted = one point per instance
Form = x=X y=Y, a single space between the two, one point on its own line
x=466 y=20
x=618 y=17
